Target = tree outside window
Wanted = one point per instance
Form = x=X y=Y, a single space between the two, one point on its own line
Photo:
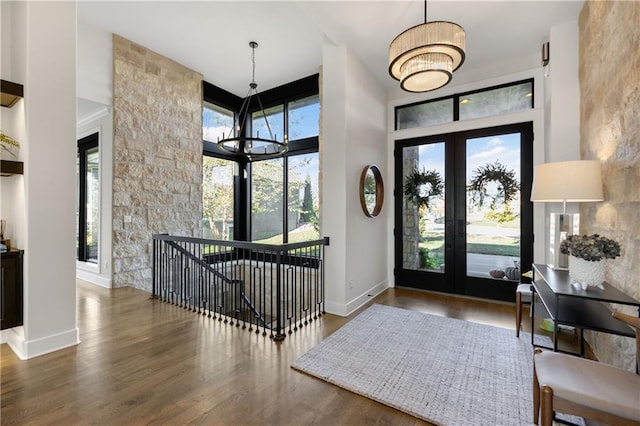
x=217 y=198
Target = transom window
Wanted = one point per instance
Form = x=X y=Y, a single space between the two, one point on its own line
x=495 y=100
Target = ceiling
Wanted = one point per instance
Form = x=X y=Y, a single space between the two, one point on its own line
x=212 y=37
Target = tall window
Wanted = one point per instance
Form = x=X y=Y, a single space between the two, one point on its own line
x=217 y=198
x=304 y=193
x=273 y=200
x=298 y=171
x=303 y=118
x=275 y=117
x=216 y=122
x=267 y=201
x=217 y=176
x=88 y=206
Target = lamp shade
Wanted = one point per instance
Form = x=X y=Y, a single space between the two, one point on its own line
x=567 y=181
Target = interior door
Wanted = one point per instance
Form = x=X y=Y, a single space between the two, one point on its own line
x=463 y=221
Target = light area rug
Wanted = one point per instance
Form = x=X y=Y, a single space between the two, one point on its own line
x=442 y=370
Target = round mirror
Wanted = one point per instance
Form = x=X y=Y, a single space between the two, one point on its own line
x=371 y=190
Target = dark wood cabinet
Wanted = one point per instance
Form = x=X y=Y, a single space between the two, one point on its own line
x=11 y=289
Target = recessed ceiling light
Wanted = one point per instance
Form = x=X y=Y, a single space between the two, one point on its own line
x=528 y=95
x=465 y=101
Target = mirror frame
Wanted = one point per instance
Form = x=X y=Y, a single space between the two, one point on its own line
x=379 y=190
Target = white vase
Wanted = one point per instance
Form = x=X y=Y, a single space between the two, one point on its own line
x=587 y=273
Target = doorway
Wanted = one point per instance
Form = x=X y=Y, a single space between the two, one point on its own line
x=88 y=199
x=463 y=219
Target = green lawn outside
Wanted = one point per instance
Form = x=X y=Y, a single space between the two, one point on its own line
x=500 y=246
x=294 y=237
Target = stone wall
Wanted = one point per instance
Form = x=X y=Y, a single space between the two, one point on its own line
x=410 y=216
x=157 y=150
x=610 y=131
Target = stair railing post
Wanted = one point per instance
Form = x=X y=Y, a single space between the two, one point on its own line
x=155 y=270
x=280 y=335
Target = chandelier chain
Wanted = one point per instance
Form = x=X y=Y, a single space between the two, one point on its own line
x=253 y=46
x=425 y=11
x=240 y=141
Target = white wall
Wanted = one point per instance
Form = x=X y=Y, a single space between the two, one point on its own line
x=562 y=111
x=12 y=123
x=95 y=64
x=353 y=136
x=333 y=169
x=367 y=237
x=45 y=62
x=95 y=114
x=562 y=95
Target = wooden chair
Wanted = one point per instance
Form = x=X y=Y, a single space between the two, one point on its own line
x=586 y=388
x=523 y=295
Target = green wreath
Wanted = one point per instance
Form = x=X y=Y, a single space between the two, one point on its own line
x=422 y=185
x=508 y=186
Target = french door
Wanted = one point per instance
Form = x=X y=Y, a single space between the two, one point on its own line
x=463 y=219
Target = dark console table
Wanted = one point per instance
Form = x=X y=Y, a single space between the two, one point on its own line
x=11 y=289
x=567 y=304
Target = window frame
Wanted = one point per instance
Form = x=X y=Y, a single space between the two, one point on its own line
x=456 y=97
x=281 y=95
x=84 y=145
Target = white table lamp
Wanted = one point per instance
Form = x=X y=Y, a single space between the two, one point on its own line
x=562 y=182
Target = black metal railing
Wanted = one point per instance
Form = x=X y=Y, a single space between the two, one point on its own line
x=273 y=289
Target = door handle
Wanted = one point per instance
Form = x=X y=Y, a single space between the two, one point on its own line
x=461 y=227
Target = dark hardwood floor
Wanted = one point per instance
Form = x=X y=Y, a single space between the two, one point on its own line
x=143 y=361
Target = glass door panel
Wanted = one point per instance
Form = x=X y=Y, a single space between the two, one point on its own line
x=493 y=206
x=423 y=235
x=423 y=207
x=463 y=219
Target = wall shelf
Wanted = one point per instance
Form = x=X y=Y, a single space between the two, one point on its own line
x=10 y=168
x=11 y=93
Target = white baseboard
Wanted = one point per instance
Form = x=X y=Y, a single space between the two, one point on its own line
x=93 y=278
x=347 y=309
x=12 y=336
x=26 y=349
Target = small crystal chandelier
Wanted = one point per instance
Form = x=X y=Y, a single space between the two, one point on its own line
x=424 y=57
x=248 y=145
